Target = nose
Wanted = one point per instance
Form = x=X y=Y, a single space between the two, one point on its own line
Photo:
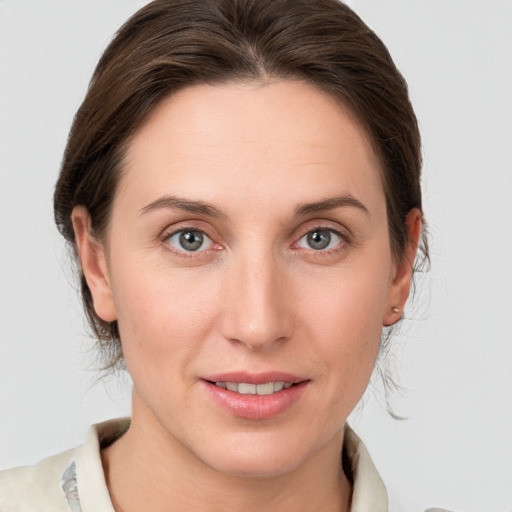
x=257 y=308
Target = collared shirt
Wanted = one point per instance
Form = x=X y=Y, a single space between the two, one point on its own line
x=74 y=481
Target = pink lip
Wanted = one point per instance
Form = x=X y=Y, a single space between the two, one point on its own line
x=255 y=378
x=255 y=407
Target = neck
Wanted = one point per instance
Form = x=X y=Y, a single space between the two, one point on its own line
x=148 y=469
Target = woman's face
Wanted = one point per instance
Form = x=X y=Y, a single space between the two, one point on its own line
x=248 y=264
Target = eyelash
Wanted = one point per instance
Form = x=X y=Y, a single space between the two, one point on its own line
x=345 y=241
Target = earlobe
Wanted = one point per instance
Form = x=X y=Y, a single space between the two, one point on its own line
x=91 y=254
x=401 y=284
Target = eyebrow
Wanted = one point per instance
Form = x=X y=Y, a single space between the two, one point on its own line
x=330 y=203
x=186 y=205
x=204 y=208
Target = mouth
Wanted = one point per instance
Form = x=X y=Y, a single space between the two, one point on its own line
x=256 y=396
x=246 y=388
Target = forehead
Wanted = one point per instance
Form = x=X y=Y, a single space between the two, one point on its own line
x=259 y=135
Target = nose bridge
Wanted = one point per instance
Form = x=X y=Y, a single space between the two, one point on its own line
x=257 y=311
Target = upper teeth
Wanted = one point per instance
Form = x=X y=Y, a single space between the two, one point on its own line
x=254 y=389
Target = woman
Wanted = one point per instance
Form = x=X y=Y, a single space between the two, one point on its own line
x=241 y=186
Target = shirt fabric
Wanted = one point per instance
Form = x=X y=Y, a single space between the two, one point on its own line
x=74 y=481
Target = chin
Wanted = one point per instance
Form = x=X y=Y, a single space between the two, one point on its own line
x=256 y=456
x=261 y=465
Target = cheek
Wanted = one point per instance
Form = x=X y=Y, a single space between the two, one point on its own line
x=163 y=318
x=350 y=306
x=345 y=321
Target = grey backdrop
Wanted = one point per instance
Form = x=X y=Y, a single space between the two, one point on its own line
x=454 y=356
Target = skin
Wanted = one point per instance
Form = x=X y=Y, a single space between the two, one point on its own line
x=257 y=298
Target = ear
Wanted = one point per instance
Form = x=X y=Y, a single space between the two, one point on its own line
x=401 y=284
x=91 y=253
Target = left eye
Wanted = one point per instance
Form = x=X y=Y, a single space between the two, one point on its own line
x=320 y=239
x=190 y=240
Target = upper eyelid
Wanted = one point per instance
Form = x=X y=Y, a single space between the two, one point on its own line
x=186 y=225
x=341 y=230
x=323 y=228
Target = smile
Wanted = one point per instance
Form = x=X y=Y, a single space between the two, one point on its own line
x=255 y=396
x=245 y=388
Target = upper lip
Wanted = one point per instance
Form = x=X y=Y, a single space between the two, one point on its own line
x=255 y=378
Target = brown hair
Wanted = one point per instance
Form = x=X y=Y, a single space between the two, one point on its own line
x=172 y=44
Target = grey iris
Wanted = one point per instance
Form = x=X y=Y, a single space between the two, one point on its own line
x=319 y=239
x=191 y=240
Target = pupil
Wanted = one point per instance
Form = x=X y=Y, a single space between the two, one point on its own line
x=319 y=239
x=191 y=240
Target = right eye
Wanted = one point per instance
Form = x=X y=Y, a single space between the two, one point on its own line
x=320 y=239
x=189 y=240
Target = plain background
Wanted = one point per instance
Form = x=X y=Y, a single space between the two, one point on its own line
x=454 y=356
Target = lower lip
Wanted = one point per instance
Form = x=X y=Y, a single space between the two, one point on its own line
x=256 y=407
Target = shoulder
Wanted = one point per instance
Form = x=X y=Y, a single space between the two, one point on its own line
x=369 y=490
x=37 y=488
x=72 y=481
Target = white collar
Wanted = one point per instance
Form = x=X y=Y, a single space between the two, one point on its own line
x=369 y=492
